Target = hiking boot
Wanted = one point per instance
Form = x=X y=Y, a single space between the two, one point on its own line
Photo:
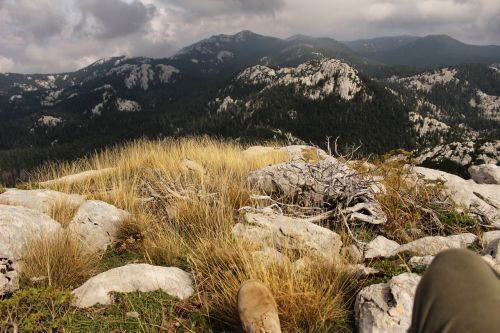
x=257 y=308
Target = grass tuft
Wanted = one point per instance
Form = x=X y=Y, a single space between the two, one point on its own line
x=63 y=212
x=59 y=261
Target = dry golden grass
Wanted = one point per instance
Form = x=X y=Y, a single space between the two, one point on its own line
x=415 y=209
x=189 y=223
x=63 y=211
x=58 y=261
x=316 y=298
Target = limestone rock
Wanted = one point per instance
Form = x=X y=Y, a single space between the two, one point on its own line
x=78 y=177
x=40 y=200
x=480 y=199
x=380 y=247
x=8 y=277
x=323 y=181
x=466 y=239
x=97 y=223
x=354 y=253
x=269 y=257
x=19 y=225
x=494 y=263
x=432 y=245
x=485 y=173
x=490 y=236
x=387 y=307
x=362 y=270
x=283 y=232
x=130 y=278
x=493 y=249
x=420 y=261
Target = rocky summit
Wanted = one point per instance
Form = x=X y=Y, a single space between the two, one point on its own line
x=189 y=221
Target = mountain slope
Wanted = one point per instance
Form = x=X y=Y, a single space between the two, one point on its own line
x=437 y=50
x=368 y=47
x=313 y=101
x=246 y=86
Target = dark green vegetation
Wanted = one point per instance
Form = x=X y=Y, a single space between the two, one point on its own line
x=180 y=105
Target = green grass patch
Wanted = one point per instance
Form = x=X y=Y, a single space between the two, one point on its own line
x=35 y=310
x=49 y=310
x=454 y=221
x=112 y=259
x=140 y=312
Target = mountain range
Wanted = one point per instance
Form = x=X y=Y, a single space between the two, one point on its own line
x=384 y=93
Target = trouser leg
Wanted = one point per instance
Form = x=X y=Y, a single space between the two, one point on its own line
x=458 y=293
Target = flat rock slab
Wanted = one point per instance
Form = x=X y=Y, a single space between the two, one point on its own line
x=134 y=277
x=380 y=247
x=387 y=307
x=283 y=232
x=19 y=225
x=432 y=245
x=420 y=261
x=96 y=223
x=78 y=177
x=40 y=200
x=480 y=199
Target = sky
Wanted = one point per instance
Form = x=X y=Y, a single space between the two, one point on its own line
x=47 y=36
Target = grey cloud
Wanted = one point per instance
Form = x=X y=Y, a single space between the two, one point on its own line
x=34 y=19
x=210 y=8
x=114 y=18
x=63 y=35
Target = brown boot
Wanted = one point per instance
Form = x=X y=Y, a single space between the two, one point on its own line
x=257 y=308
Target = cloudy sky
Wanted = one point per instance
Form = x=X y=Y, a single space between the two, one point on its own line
x=63 y=35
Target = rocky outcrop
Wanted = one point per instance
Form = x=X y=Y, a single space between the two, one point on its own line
x=97 y=223
x=321 y=180
x=269 y=257
x=314 y=79
x=130 y=278
x=420 y=261
x=40 y=200
x=380 y=247
x=283 y=232
x=490 y=236
x=485 y=173
x=387 y=307
x=19 y=225
x=480 y=199
x=430 y=245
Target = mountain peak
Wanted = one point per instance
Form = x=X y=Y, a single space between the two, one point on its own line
x=441 y=38
x=299 y=37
